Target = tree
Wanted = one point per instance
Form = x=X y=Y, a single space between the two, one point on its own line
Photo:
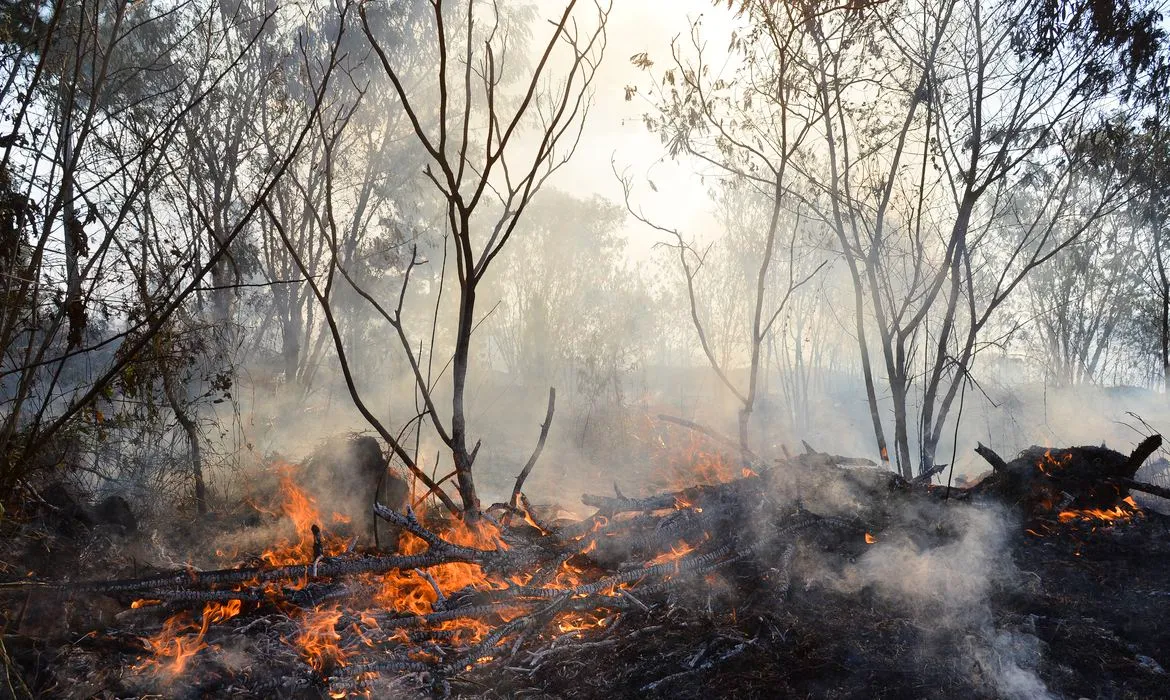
x=904 y=130
x=98 y=93
x=753 y=129
x=467 y=174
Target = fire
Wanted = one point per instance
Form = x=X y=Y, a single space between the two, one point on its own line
x=409 y=592
x=578 y=621
x=1049 y=463
x=532 y=521
x=870 y=539
x=693 y=463
x=218 y=612
x=1126 y=510
x=318 y=639
x=175 y=644
x=301 y=509
x=175 y=641
x=676 y=552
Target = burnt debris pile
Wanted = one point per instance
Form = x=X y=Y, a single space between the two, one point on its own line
x=814 y=575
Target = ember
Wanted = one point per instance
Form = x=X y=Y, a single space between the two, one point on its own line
x=456 y=600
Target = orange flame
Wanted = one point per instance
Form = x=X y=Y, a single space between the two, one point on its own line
x=694 y=463
x=318 y=639
x=1050 y=463
x=577 y=621
x=300 y=508
x=175 y=643
x=676 y=552
x=1126 y=510
x=410 y=592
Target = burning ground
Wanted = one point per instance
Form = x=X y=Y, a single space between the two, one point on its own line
x=809 y=577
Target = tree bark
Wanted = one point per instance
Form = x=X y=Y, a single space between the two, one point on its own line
x=192 y=431
x=463 y=459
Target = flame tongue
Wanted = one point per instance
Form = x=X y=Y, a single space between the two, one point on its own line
x=318 y=639
x=1124 y=511
x=181 y=638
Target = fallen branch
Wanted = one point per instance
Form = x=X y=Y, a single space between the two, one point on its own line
x=1142 y=452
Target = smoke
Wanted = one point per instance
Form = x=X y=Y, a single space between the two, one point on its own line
x=941 y=566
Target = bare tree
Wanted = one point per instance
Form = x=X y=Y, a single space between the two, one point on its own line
x=101 y=97
x=478 y=149
x=753 y=128
x=903 y=129
x=919 y=196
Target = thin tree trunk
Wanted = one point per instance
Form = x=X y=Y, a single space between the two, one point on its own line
x=74 y=238
x=1164 y=288
x=192 y=432
x=463 y=459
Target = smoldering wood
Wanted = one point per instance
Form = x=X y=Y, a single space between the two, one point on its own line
x=636 y=556
x=1075 y=477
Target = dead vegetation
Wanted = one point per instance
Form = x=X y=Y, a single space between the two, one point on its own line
x=801 y=577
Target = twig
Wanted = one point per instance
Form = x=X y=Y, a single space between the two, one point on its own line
x=440 y=598
x=548 y=417
x=992 y=458
x=1143 y=487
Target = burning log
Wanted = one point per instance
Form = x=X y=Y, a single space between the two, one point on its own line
x=1044 y=481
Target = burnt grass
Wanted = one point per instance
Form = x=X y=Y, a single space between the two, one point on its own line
x=1085 y=609
x=1095 y=601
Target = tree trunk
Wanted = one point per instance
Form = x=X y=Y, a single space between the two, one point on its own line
x=745 y=416
x=75 y=243
x=901 y=427
x=192 y=432
x=1164 y=289
x=463 y=459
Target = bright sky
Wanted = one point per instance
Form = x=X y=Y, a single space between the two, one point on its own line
x=615 y=130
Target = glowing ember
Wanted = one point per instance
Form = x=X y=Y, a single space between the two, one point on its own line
x=142 y=603
x=870 y=539
x=676 y=552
